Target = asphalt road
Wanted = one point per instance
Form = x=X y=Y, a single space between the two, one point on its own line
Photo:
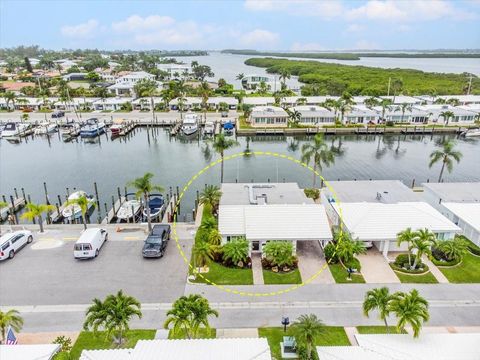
x=51 y=276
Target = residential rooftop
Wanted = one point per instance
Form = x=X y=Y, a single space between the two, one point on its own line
x=468 y=212
x=455 y=192
x=378 y=191
x=262 y=193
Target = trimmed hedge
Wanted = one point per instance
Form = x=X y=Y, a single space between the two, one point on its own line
x=401 y=264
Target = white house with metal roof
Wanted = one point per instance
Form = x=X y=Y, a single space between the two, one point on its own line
x=314 y=115
x=258 y=100
x=269 y=212
x=192 y=349
x=460 y=114
x=268 y=116
x=376 y=211
x=459 y=202
x=29 y=352
x=214 y=102
x=412 y=114
x=402 y=99
x=111 y=104
x=360 y=114
x=440 y=346
x=188 y=103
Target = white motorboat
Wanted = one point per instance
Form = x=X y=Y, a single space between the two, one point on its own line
x=45 y=127
x=128 y=210
x=13 y=129
x=209 y=128
x=190 y=124
x=73 y=211
x=92 y=128
x=71 y=129
x=471 y=133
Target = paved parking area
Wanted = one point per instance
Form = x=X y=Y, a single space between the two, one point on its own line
x=310 y=261
x=50 y=275
x=375 y=268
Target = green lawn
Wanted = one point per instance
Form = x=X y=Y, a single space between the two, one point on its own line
x=340 y=275
x=203 y=333
x=87 y=340
x=378 y=330
x=293 y=277
x=333 y=336
x=223 y=275
x=427 y=278
x=467 y=272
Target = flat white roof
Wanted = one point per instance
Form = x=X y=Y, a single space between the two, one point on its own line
x=455 y=192
x=313 y=110
x=28 y=352
x=187 y=101
x=220 y=99
x=268 y=111
x=194 y=349
x=369 y=221
x=400 y=99
x=275 y=222
x=468 y=212
x=258 y=100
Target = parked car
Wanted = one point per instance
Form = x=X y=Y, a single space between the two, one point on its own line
x=224 y=114
x=58 y=114
x=90 y=243
x=12 y=242
x=157 y=241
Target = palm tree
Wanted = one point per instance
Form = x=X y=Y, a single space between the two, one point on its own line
x=284 y=76
x=446 y=115
x=188 y=313
x=211 y=196
x=295 y=116
x=113 y=314
x=143 y=186
x=220 y=143
x=83 y=203
x=453 y=249
x=447 y=154
x=306 y=329
x=386 y=105
x=202 y=253
x=236 y=251
x=10 y=97
x=348 y=248
x=35 y=211
x=409 y=308
x=403 y=108
x=319 y=152
x=205 y=92
x=422 y=243
x=406 y=236
x=10 y=318
x=378 y=299
x=240 y=76
x=147 y=88
x=371 y=102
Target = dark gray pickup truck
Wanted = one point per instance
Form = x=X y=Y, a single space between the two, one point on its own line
x=157 y=241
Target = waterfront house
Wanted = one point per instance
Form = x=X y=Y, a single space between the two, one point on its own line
x=268 y=116
x=258 y=100
x=460 y=115
x=124 y=84
x=74 y=104
x=360 y=114
x=376 y=211
x=290 y=101
x=412 y=115
x=74 y=76
x=174 y=71
x=189 y=103
x=214 y=102
x=193 y=349
x=251 y=82
x=267 y=212
x=460 y=202
x=111 y=104
x=314 y=115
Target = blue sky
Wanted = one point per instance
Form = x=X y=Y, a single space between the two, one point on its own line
x=255 y=24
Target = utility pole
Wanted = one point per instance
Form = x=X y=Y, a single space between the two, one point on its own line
x=469 y=85
x=389 y=80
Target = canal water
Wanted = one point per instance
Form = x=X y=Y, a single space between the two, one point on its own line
x=113 y=163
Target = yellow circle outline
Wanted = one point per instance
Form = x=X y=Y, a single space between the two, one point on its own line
x=230 y=157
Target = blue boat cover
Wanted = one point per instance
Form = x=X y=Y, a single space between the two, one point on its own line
x=228 y=126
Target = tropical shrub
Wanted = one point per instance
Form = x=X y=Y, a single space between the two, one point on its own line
x=279 y=253
x=401 y=264
x=330 y=253
x=312 y=193
x=353 y=264
x=235 y=252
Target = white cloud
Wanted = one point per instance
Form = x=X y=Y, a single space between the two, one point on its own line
x=355 y=28
x=136 y=23
x=366 y=45
x=80 y=31
x=259 y=37
x=311 y=46
x=407 y=11
x=324 y=9
x=187 y=33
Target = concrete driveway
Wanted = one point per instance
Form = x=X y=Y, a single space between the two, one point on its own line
x=49 y=275
x=310 y=261
x=375 y=268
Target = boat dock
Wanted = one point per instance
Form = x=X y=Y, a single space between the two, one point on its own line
x=14 y=205
x=127 y=128
x=112 y=213
x=175 y=129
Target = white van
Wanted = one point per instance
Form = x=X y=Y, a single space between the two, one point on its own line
x=89 y=243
